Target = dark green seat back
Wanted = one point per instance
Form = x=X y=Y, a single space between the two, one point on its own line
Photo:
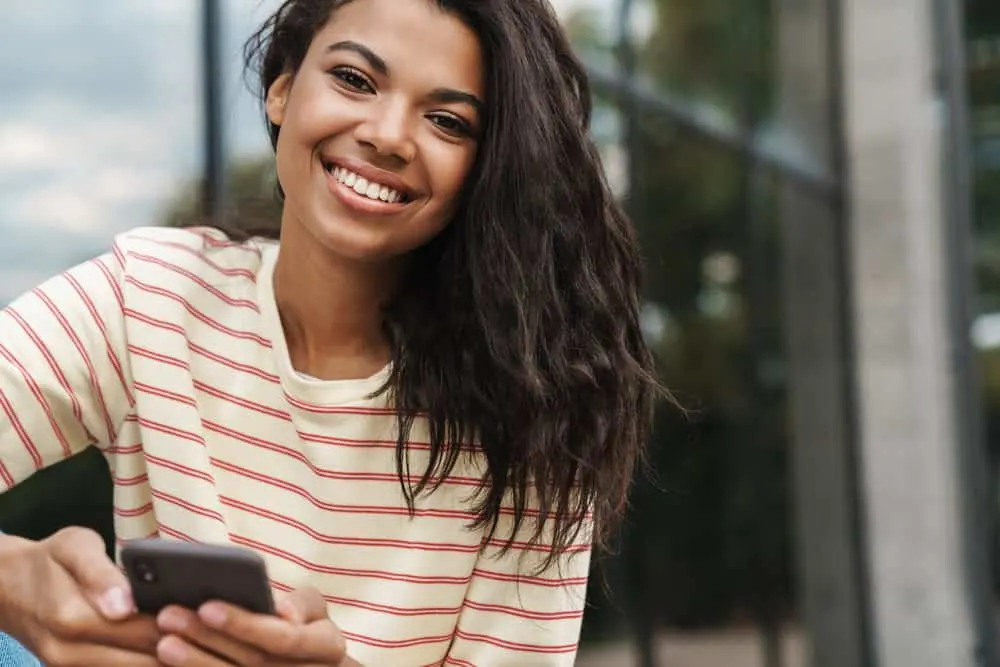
x=75 y=492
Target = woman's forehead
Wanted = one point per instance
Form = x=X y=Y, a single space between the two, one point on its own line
x=410 y=37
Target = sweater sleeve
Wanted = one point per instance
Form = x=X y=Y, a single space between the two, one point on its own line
x=63 y=385
x=515 y=616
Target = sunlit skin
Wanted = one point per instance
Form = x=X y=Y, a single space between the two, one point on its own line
x=392 y=90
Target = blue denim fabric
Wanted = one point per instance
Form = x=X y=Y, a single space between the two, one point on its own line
x=13 y=654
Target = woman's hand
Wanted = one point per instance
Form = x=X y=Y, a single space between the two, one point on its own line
x=220 y=635
x=66 y=602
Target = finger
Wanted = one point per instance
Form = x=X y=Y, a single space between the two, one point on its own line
x=135 y=634
x=81 y=553
x=88 y=655
x=303 y=605
x=186 y=625
x=177 y=652
x=70 y=617
x=319 y=641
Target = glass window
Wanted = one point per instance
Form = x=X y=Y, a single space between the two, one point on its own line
x=693 y=121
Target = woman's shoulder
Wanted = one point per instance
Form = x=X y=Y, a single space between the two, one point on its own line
x=204 y=254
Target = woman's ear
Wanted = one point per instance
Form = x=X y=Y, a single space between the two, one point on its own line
x=277 y=98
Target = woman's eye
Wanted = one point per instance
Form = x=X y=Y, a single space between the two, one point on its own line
x=451 y=124
x=353 y=79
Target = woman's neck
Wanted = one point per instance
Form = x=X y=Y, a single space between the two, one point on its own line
x=330 y=309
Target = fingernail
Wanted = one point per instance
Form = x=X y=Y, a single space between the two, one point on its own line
x=171 y=652
x=171 y=620
x=214 y=615
x=116 y=602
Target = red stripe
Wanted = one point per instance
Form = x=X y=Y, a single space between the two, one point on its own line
x=236 y=366
x=179 y=468
x=447 y=611
x=134 y=512
x=524 y=613
x=515 y=646
x=95 y=383
x=386 y=609
x=155 y=356
x=112 y=355
x=21 y=431
x=343 y=509
x=164 y=393
x=351 y=442
x=456 y=661
x=337 y=409
x=351 y=541
x=198 y=280
x=152 y=321
x=525 y=579
x=217 y=239
x=197 y=314
x=537 y=548
x=119 y=255
x=326 y=474
x=174 y=533
x=208 y=354
x=118 y=450
x=44 y=350
x=36 y=391
x=6 y=477
x=198 y=253
x=112 y=281
x=131 y=481
x=189 y=506
x=347 y=572
x=171 y=430
x=253 y=406
x=398 y=643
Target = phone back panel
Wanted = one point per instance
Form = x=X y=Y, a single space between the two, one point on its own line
x=163 y=573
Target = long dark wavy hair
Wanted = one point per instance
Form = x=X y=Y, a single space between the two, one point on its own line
x=518 y=327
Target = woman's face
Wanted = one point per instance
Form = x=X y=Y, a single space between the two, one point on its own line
x=379 y=127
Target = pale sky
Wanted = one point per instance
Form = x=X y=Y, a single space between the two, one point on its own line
x=100 y=123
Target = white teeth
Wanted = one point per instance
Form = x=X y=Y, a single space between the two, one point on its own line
x=366 y=188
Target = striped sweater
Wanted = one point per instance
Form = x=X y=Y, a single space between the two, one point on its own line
x=168 y=355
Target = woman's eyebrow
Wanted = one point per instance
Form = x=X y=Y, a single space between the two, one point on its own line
x=450 y=96
x=376 y=62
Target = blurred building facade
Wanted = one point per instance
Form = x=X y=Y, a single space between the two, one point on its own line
x=817 y=189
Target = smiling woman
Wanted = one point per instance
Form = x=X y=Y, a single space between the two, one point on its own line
x=422 y=401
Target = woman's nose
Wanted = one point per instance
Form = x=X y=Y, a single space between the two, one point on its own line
x=388 y=130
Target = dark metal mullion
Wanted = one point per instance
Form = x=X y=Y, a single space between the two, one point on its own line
x=214 y=183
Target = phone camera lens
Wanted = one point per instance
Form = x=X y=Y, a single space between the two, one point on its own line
x=146 y=571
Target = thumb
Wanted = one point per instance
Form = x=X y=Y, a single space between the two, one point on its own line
x=81 y=553
x=302 y=606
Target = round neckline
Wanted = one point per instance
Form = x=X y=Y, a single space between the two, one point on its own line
x=299 y=385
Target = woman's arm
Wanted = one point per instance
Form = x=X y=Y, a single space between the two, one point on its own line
x=514 y=616
x=63 y=384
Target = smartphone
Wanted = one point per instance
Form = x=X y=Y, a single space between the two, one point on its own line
x=165 y=572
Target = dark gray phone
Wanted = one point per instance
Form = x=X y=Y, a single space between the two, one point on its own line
x=164 y=572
